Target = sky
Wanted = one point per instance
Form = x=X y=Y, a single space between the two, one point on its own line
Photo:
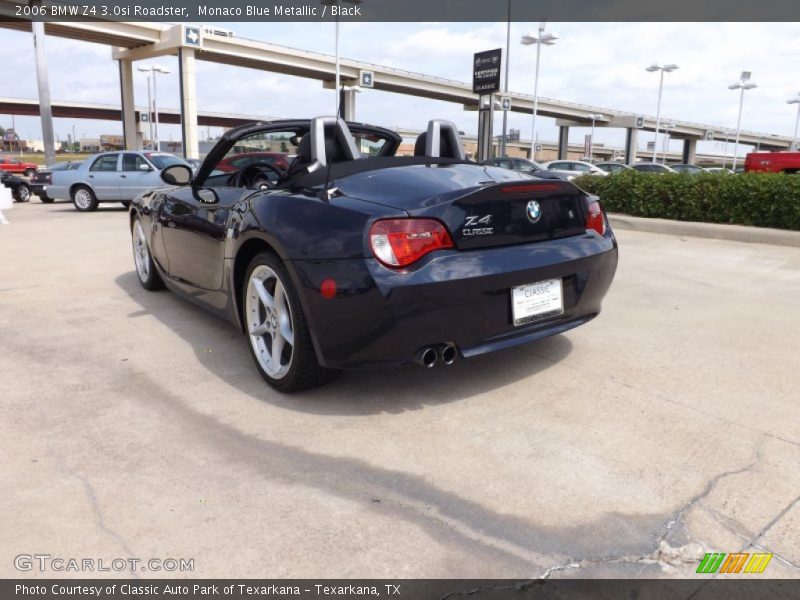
x=599 y=64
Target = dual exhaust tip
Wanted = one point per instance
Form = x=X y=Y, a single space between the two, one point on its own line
x=428 y=357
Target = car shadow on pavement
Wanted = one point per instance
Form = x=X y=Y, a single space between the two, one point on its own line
x=489 y=542
x=222 y=349
x=105 y=207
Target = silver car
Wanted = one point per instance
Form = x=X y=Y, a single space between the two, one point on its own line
x=110 y=177
x=574 y=167
x=613 y=167
x=649 y=167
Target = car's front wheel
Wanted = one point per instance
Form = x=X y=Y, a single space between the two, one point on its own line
x=84 y=199
x=145 y=266
x=277 y=330
x=23 y=193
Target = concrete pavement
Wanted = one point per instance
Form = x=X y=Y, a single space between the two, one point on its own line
x=134 y=425
x=714 y=231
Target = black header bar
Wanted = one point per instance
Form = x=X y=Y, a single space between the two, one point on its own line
x=733 y=588
x=533 y=11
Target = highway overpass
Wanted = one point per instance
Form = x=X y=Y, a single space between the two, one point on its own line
x=171 y=116
x=109 y=112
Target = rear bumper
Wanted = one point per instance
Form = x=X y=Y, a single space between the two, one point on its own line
x=39 y=189
x=382 y=317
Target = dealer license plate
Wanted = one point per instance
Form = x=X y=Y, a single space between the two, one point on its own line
x=536 y=301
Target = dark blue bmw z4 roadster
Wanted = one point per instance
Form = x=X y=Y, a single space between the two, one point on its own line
x=330 y=252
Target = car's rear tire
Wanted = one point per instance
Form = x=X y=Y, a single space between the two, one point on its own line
x=277 y=330
x=145 y=266
x=84 y=199
x=30 y=172
x=22 y=193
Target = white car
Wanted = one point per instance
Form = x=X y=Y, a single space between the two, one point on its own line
x=574 y=167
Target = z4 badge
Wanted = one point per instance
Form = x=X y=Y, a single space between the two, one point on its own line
x=476 y=220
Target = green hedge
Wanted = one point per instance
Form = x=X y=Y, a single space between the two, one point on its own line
x=760 y=199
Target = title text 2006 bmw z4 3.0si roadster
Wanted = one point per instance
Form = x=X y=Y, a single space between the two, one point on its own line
x=354 y=257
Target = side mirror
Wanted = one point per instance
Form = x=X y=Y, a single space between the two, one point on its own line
x=145 y=167
x=177 y=175
x=206 y=195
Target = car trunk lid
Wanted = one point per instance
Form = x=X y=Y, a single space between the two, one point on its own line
x=512 y=213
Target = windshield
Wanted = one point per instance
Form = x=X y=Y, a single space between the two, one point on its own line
x=162 y=161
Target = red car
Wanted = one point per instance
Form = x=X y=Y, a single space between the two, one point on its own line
x=9 y=164
x=773 y=162
x=237 y=161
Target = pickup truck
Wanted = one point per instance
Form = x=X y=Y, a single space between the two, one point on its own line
x=20 y=190
x=9 y=164
x=772 y=162
x=109 y=177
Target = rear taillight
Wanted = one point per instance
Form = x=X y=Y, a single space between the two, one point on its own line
x=401 y=242
x=595 y=219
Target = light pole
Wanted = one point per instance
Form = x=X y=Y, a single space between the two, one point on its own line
x=548 y=39
x=725 y=152
x=795 y=100
x=505 y=87
x=594 y=117
x=149 y=107
x=663 y=69
x=743 y=84
x=153 y=69
x=665 y=143
x=338 y=74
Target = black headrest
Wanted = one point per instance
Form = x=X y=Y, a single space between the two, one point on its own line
x=445 y=148
x=333 y=148
x=334 y=152
x=304 y=149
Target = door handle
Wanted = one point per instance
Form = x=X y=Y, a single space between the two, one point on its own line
x=91 y=176
x=124 y=176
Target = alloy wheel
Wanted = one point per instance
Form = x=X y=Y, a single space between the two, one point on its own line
x=83 y=198
x=141 y=254
x=269 y=322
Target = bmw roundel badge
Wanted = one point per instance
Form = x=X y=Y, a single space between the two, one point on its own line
x=534 y=211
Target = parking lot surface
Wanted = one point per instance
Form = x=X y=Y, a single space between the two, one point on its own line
x=133 y=424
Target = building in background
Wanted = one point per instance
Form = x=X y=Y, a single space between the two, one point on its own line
x=89 y=145
x=32 y=145
x=112 y=142
x=11 y=142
